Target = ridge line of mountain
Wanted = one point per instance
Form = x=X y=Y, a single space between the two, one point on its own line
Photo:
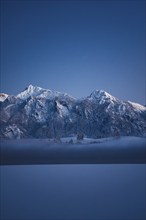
x=42 y=113
x=37 y=91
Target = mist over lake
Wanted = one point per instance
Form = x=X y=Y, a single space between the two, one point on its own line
x=88 y=151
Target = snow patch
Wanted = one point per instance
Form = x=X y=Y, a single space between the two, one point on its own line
x=62 y=109
x=3 y=96
x=137 y=106
x=13 y=132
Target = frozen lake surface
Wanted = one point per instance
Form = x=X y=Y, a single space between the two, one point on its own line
x=73 y=192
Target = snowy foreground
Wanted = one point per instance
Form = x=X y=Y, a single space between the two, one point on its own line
x=92 y=151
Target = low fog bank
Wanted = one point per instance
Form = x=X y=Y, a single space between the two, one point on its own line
x=87 y=151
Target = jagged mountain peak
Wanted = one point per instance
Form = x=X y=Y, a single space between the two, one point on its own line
x=35 y=89
x=31 y=88
x=39 y=92
x=102 y=96
x=99 y=92
x=30 y=91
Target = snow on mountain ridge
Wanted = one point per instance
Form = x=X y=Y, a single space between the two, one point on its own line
x=137 y=106
x=102 y=96
x=41 y=93
x=3 y=96
x=30 y=91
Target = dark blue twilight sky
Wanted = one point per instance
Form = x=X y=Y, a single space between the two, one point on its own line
x=74 y=47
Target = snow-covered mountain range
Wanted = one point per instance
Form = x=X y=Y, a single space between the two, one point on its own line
x=42 y=113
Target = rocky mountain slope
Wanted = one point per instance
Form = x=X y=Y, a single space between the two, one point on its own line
x=42 y=113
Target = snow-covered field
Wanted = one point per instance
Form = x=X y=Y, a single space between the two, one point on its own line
x=45 y=151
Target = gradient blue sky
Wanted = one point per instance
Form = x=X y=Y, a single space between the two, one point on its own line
x=74 y=47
